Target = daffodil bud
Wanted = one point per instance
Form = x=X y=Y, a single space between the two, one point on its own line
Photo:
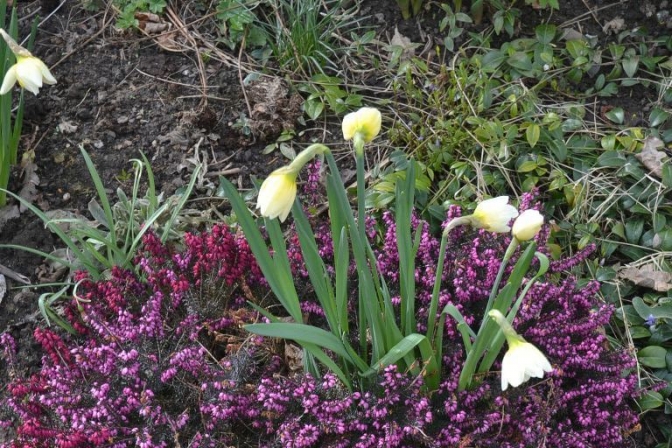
x=277 y=193
x=527 y=225
x=494 y=214
x=523 y=360
x=364 y=123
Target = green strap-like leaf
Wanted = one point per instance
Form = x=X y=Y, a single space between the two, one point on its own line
x=317 y=271
x=404 y=204
x=301 y=333
x=282 y=287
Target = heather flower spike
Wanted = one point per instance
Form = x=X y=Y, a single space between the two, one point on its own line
x=278 y=191
x=29 y=71
x=523 y=360
x=362 y=126
x=527 y=225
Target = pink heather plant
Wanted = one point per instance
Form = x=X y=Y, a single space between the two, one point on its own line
x=161 y=360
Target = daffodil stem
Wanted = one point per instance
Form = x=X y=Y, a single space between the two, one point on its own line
x=434 y=304
x=495 y=287
x=361 y=199
x=361 y=229
x=488 y=328
x=306 y=156
x=504 y=324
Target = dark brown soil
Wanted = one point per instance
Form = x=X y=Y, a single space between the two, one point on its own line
x=120 y=93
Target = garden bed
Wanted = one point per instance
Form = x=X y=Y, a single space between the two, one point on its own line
x=186 y=99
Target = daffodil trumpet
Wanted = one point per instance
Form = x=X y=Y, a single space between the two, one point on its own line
x=523 y=360
x=29 y=71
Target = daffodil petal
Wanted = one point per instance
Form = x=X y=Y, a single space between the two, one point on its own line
x=370 y=121
x=366 y=122
x=521 y=362
x=46 y=74
x=9 y=81
x=349 y=125
x=28 y=73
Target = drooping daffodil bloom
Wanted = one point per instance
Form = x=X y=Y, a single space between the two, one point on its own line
x=523 y=360
x=30 y=72
x=494 y=214
x=278 y=191
x=277 y=194
x=362 y=125
x=527 y=225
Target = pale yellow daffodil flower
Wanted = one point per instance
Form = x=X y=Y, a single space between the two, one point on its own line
x=527 y=225
x=494 y=214
x=278 y=191
x=362 y=126
x=523 y=360
x=277 y=194
x=30 y=72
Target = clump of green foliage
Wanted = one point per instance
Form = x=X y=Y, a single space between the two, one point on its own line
x=520 y=117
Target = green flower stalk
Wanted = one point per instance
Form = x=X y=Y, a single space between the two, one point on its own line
x=523 y=360
x=382 y=341
x=361 y=126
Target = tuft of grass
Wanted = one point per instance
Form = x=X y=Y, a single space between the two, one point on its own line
x=305 y=34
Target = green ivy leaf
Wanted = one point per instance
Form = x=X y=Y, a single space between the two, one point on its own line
x=630 y=65
x=616 y=115
x=657 y=117
x=650 y=400
x=652 y=356
x=532 y=134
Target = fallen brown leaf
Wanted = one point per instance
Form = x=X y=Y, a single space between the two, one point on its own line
x=648 y=276
x=651 y=158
